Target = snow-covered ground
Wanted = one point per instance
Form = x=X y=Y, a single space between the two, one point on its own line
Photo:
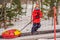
x=49 y=39
x=45 y=24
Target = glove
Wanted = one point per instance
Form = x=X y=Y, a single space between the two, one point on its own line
x=37 y=16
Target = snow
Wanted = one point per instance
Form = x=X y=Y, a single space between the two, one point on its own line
x=45 y=24
x=44 y=39
x=49 y=39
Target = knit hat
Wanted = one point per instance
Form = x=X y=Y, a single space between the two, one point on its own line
x=37 y=6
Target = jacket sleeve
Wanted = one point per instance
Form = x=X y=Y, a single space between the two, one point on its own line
x=32 y=15
x=41 y=14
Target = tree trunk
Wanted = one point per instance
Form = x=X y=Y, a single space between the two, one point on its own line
x=51 y=11
x=11 y=1
x=41 y=5
x=32 y=4
x=32 y=8
x=4 y=14
x=51 y=6
x=10 y=20
x=57 y=12
x=26 y=6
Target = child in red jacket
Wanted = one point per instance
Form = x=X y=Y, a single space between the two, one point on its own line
x=36 y=15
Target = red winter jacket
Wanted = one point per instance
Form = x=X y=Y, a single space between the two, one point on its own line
x=34 y=13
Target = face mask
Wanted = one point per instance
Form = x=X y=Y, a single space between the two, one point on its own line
x=37 y=8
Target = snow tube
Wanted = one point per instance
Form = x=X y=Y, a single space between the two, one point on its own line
x=13 y=33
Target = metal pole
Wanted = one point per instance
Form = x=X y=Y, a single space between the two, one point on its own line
x=54 y=8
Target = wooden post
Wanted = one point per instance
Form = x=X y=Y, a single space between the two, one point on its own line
x=54 y=8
